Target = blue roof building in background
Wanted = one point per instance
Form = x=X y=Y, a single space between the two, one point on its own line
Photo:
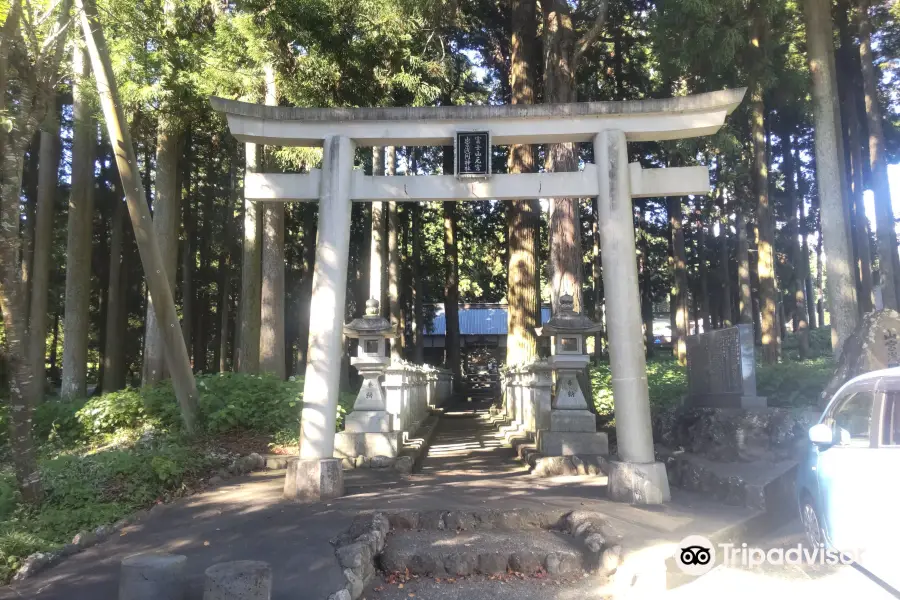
x=476 y=320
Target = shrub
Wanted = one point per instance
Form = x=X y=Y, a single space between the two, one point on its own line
x=110 y=412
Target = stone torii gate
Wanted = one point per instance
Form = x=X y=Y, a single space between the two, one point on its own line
x=634 y=475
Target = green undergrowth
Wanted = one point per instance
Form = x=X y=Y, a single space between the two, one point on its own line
x=105 y=457
x=790 y=383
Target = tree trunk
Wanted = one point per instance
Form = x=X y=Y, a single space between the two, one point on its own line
x=764 y=211
x=842 y=299
x=43 y=242
x=225 y=271
x=679 y=281
x=725 y=304
x=188 y=257
x=80 y=235
x=565 y=222
x=114 y=351
x=271 y=334
x=884 y=213
x=702 y=256
x=393 y=258
x=799 y=260
x=418 y=288
x=251 y=277
x=451 y=282
x=309 y=259
x=376 y=247
x=645 y=280
x=848 y=84
x=166 y=209
x=745 y=299
x=597 y=274
x=271 y=338
x=148 y=246
x=522 y=216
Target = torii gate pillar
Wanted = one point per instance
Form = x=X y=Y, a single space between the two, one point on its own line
x=635 y=477
x=316 y=475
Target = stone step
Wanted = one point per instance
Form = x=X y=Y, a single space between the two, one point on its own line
x=489 y=587
x=458 y=554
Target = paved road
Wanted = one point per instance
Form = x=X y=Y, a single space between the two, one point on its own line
x=819 y=582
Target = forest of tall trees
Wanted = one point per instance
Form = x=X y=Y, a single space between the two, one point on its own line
x=783 y=240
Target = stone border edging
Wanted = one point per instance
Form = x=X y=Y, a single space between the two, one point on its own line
x=359 y=548
x=38 y=561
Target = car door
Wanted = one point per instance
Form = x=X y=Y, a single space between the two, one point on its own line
x=845 y=469
x=880 y=521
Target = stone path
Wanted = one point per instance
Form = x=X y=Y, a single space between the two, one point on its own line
x=246 y=518
x=467 y=443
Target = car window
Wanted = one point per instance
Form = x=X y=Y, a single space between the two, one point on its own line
x=890 y=430
x=852 y=419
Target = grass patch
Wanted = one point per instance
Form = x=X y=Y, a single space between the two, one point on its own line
x=105 y=457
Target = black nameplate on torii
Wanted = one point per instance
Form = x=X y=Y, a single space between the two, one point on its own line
x=473 y=153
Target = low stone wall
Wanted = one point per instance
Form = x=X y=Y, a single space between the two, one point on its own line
x=526 y=396
x=366 y=546
x=734 y=434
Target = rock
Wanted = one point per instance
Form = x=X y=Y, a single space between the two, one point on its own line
x=610 y=559
x=578 y=521
x=276 y=462
x=341 y=594
x=524 y=562
x=215 y=480
x=103 y=532
x=508 y=519
x=433 y=519
x=562 y=563
x=348 y=464
x=404 y=464
x=492 y=563
x=357 y=557
x=355 y=584
x=460 y=564
x=84 y=539
x=341 y=539
x=362 y=462
x=551 y=466
x=369 y=522
x=32 y=565
x=579 y=465
x=255 y=462
x=69 y=550
x=403 y=520
x=382 y=462
x=427 y=564
x=459 y=521
x=595 y=541
x=375 y=540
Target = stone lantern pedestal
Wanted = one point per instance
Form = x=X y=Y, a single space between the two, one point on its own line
x=369 y=429
x=573 y=427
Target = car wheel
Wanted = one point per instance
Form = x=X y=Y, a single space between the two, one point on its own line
x=812 y=525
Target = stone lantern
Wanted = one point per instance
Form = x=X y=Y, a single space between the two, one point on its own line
x=368 y=428
x=573 y=427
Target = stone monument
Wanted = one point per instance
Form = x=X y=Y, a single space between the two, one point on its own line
x=721 y=369
x=573 y=427
x=369 y=429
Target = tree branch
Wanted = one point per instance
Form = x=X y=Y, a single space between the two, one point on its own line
x=593 y=33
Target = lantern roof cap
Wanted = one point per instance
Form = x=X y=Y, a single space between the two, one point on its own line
x=372 y=323
x=566 y=320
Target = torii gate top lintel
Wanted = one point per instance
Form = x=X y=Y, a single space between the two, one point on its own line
x=641 y=120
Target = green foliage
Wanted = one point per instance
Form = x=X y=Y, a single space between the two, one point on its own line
x=111 y=412
x=787 y=384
